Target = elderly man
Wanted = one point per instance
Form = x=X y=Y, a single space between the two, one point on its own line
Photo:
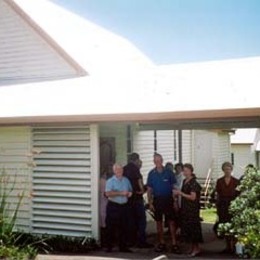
x=160 y=186
x=118 y=190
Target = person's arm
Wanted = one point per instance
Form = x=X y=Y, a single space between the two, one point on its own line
x=141 y=186
x=110 y=192
x=150 y=198
x=150 y=192
x=130 y=189
x=116 y=193
x=192 y=196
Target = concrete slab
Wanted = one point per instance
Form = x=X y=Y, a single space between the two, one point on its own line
x=211 y=250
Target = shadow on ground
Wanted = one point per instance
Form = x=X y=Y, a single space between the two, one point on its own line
x=211 y=249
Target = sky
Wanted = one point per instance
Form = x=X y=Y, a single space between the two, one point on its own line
x=179 y=31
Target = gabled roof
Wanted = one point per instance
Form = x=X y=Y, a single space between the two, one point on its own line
x=27 y=53
x=97 y=50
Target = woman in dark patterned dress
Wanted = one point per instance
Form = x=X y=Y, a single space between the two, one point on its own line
x=190 y=210
x=226 y=192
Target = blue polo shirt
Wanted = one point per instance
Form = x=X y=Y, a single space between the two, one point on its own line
x=116 y=184
x=161 y=183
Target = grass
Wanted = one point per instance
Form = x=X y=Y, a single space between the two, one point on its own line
x=209 y=215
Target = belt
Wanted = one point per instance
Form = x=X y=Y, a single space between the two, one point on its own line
x=116 y=204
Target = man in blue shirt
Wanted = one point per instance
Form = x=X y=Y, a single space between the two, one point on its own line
x=160 y=185
x=118 y=190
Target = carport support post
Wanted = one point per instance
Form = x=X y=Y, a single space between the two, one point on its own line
x=180 y=144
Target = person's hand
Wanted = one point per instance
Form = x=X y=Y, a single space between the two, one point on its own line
x=176 y=192
x=125 y=193
x=151 y=207
x=176 y=206
x=129 y=194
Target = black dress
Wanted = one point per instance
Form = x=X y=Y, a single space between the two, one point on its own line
x=190 y=213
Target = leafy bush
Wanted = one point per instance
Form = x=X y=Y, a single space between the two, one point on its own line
x=245 y=224
x=8 y=238
x=46 y=244
x=14 y=252
x=77 y=245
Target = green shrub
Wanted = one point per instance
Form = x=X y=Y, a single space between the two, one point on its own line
x=245 y=224
x=16 y=253
x=9 y=238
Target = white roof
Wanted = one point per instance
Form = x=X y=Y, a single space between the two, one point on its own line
x=244 y=136
x=94 y=48
x=216 y=85
x=122 y=80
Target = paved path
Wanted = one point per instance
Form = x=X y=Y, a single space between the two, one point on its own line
x=211 y=249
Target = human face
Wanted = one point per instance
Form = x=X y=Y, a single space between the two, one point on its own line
x=118 y=171
x=227 y=171
x=179 y=169
x=187 y=172
x=158 y=161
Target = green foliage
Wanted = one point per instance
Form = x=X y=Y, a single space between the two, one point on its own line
x=245 y=224
x=14 y=252
x=8 y=238
x=209 y=215
x=71 y=244
x=7 y=220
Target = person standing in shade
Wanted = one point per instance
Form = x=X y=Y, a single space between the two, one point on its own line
x=179 y=175
x=190 y=210
x=118 y=191
x=226 y=192
x=160 y=185
x=136 y=209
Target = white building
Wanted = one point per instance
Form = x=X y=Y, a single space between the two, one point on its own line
x=67 y=87
x=245 y=144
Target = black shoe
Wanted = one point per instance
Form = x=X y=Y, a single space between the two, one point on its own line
x=160 y=248
x=125 y=250
x=145 y=245
x=175 y=249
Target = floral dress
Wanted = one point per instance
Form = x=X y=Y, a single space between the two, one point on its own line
x=190 y=213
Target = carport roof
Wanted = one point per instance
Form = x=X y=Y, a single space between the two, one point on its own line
x=124 y=86
x=211 y=90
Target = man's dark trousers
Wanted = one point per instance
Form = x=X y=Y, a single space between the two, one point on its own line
x=136 y=222
x=116 y=221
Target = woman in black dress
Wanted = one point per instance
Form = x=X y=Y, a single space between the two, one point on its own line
x=190 y=210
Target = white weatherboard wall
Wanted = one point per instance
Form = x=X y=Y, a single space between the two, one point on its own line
x=243 y=155
x=15 y=160
x=65 y=181
x=144 y=144
x=211 y=149
x=187 y=144
x=223 y=153
x=167 y=145
x=203 y=152
x=24 y=55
